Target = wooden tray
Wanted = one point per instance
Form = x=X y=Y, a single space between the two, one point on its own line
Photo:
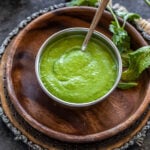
x=36 y=140
x=104 y=120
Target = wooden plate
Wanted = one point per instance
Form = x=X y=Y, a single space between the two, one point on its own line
x=119 y=111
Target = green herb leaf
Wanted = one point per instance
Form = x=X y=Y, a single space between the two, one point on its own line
x=136 y=61
x=125 y=59
x=139 y=60
x=120 y=37
x=148 y=2
x=127 y=16
x=131 y=16
x=83 y=2
x=126 y=85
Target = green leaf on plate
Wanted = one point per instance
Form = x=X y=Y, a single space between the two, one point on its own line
x=139 y=60
x=126 y=85
x=120 y=37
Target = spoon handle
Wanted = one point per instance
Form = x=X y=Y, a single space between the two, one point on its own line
x=95 y=20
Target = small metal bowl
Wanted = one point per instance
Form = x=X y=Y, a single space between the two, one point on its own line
x=79 y=31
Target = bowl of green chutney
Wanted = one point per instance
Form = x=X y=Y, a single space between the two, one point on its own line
x=77 y=78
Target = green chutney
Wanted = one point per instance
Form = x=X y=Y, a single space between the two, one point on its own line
x=75 y=76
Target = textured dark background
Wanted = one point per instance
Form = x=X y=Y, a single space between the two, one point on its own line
x=12 y=12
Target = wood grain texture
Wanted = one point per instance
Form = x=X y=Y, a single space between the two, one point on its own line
x=115 y=114
x=51 y=144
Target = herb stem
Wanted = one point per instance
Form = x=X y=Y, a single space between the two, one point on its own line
x=124 y=23
x=148 y=2
x=115 y=18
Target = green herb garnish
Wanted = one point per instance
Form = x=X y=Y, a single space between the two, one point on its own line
x=139 y=60
x=126 y=85
x=134 y=61
x=120 y=37
x=127 y=16
x=83 y=3
x=147 y=2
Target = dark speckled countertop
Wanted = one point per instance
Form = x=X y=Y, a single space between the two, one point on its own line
x=12 y=12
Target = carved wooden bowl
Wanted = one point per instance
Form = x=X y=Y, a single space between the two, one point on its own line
x=118 y=112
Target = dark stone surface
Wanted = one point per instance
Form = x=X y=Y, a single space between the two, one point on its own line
x=11 y=13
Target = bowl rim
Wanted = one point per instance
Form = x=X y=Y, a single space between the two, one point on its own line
x=108 y=42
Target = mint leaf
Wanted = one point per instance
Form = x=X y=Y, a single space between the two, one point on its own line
x=139 y=60
x=125 y=58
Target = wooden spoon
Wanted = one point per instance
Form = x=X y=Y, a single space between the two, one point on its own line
x=95 y=20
